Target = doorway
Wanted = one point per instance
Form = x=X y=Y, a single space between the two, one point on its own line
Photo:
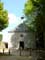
x=21 y=44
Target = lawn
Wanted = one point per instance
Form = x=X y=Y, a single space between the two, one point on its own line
x=15 y=58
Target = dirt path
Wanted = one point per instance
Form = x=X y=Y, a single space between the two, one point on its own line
x=14 y=58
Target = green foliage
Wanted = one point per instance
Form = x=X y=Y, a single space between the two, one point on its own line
x=3 y=17
x=34 y=11
x=30 y=22
x=28 y=7
x=0 y=37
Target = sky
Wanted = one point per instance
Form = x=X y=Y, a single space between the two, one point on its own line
x=15 y=12
x=14 y=6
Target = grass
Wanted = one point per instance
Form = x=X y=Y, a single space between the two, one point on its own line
x=1 y=54
x=15 y=58
x=23 y=58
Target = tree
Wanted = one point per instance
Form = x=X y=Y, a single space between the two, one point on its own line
x=3 y=17
x=35 y=13
x=0 y=37
x=36 y=9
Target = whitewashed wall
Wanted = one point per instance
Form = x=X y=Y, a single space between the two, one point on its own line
x=28 y=38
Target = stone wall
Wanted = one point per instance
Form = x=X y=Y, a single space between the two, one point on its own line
x=28 y=38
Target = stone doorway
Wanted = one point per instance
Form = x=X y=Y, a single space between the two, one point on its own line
x=21 y=44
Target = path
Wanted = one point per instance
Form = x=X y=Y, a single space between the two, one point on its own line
x=15 y=58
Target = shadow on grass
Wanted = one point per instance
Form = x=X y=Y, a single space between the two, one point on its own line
x=1 y=54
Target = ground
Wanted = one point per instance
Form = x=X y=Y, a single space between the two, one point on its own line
x=15 y=58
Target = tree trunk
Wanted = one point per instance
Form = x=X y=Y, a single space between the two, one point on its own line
x=41 y=39
x=40 y=45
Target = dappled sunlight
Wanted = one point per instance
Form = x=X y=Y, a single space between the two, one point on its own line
x=5 y=50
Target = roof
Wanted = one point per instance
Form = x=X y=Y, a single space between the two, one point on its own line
x=21 y=28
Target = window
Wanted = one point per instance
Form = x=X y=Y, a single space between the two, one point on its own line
x=21 y=35
x=6 y=45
